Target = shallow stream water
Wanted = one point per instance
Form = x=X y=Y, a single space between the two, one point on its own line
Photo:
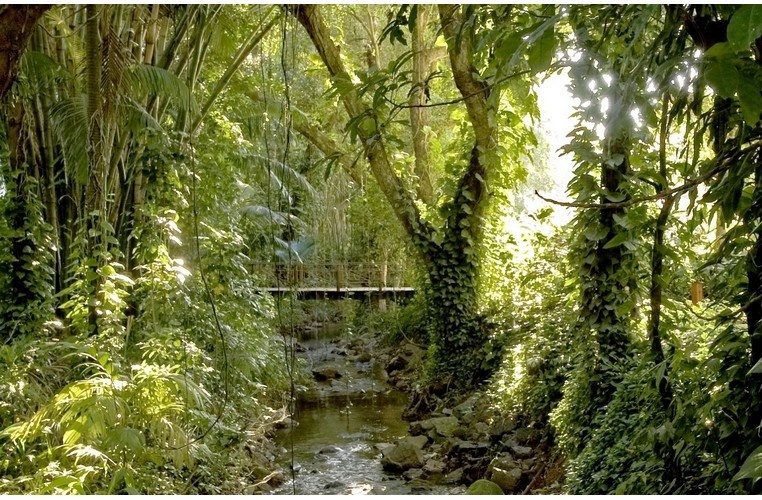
x=333 y=448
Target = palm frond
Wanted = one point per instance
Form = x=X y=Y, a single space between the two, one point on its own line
x=288 y=174
x=41 y=71
x=157 y=81
x=270 y=215
x=69 y=119
x=295 y=249
x=138 y=118
x=114 y=57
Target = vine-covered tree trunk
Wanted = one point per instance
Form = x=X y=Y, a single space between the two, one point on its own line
x=27 y=289
x=458 y=350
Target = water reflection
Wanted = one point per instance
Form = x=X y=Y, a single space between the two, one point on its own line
x=334 y=448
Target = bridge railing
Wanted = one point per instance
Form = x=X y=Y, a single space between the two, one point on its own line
x=333 y=275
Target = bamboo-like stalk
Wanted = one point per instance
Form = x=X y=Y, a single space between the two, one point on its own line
x=238 y=60
x=150 y=37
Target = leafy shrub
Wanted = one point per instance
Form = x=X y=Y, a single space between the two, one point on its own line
x=618 y=457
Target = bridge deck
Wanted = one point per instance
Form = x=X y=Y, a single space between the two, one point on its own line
x=334 y=292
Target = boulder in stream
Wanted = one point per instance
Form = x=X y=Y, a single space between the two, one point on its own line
x=327 y=373
x=445 y=426
x=484 y=487
x=505 y=472
x=402 y=457
x=396 y=363
x=417 y=441
x=329 y=450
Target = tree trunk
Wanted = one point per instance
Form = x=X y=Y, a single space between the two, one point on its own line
x=418 y=114
x=17 y=24
x=457 y=351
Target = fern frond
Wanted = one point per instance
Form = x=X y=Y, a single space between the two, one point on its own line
x=137 y=118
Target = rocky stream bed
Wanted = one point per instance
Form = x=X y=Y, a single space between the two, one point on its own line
x=354 y=432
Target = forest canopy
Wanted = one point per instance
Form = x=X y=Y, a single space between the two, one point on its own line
x=160 y=165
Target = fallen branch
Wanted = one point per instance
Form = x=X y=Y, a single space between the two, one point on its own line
x=535 y=478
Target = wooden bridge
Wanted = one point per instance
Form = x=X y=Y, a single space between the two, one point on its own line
x=334 y=280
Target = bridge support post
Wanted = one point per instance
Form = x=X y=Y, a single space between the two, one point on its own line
x=341 y=278
x=382 y=273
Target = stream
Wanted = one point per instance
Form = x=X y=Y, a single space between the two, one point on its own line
x=339 y=425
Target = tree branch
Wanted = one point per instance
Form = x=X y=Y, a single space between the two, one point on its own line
x=634 y=201
x=316 y=137
x=367 y=129
x=243 y=53
x=472 y=188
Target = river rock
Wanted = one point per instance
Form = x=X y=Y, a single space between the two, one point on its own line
x=527 y=435
x=329 y=450
x=506 y=472
x=396 y=363
x=484 y=487
x=501 y=427
x=508 y=480
x=434 y=466
x=327 y=373
x=445 y=426
x=363 y=357
x=503 y=461
x=471 y=448
x=521 y=451
x=402 y=457
x=466 y=408
x=285 y=423
x=417 y=441
x=333 y=485
x=419 y=486
x=416 y=428
x=454 y=477
x=256 y=489
x=481 y=428
x=411 y=474
x=383 y=446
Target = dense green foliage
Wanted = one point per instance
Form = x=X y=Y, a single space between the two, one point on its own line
x=160 y=163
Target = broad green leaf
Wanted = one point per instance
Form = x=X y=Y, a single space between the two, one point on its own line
x=596 y=233
x=751 y=101
x=617 y=240
x=745 y=26
x=752 y=467
x=720 y=50
x=615 y=197
x=757 y=368
x=541 y=52
x=723 y=77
